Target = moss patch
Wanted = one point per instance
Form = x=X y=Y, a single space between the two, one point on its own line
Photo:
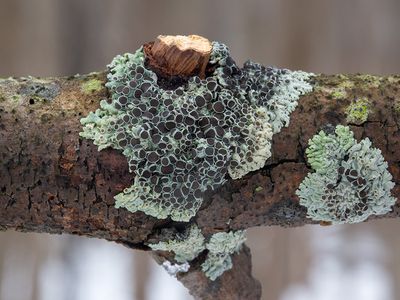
x=357 y=112
x=92 y=85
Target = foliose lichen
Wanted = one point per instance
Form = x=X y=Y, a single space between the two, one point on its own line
x=191 y=243
x=40 y=90
x=350 y=182
x=325 y=151
x=221 y=246
x=180 y=143
x=186 y=246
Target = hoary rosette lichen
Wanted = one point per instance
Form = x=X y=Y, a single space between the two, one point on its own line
x=350 y=182
x=181 y=142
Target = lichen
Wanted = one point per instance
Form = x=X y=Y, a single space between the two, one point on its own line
x=40 y=90
x=188 y=245
x=173 y=269
x=396 y=106
x=346 y=82
x=258 y=189
x=91 y=86
x=339 y=94
x=357 y=112
x=350 y=182
x=221 y=246
x=325 y=150
x=16 y=98
x=393 y=79
x=368 y=81
x=181 y=142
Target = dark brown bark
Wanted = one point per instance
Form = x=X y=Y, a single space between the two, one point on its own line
x=235 y=284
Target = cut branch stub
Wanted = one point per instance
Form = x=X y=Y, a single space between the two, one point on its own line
x=179 y=55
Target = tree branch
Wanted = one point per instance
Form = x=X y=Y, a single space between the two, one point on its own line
x=236 y=283
x=53 y=181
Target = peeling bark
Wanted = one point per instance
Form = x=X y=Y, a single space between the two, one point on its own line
x=53 y=181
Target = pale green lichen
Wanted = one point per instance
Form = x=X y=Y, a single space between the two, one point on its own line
x=188 y=245
x=181 y=142
x=346 y=83
x=357 y=112
x=258 y=189
x=335 y=87
x=350 y=182
x=368 y=81
x=325 y=150
x=92 y=85
x=339 y=94
x=16 y=98
x=226 y=242
x=393 y=79
x=221 y=246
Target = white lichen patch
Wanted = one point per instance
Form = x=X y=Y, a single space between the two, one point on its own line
x=350 y=182
x=173 y=269
x=182 y=142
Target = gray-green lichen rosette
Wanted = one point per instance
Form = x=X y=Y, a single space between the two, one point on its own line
x=181 y=142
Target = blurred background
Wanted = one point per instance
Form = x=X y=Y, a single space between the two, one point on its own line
x=57 y=37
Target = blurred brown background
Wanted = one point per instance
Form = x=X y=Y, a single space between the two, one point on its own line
x=56 y=37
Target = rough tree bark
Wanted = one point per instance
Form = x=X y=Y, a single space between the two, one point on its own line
x=53 y=181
